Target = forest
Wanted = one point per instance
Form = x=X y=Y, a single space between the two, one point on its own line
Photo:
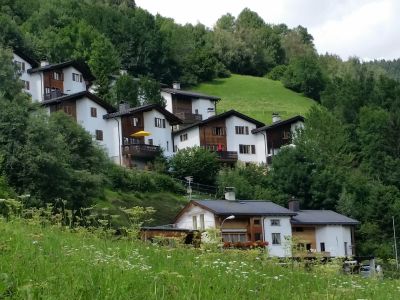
x=347 y=158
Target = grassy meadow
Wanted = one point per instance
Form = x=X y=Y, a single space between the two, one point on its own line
x=51 y=262
x=257 y=97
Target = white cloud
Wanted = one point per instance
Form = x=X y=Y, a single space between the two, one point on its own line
x=364 y=28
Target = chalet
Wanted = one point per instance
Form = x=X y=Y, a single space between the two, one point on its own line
x=143 y=132
x=321 y=231
x=324 y=231
x=280 y=133
x=49 y=81
x=24 y=63
x=227 y=134
x=88 y=111
x=190 y=107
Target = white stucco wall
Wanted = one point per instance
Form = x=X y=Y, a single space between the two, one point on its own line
x=202 y=106
x=334 y=237
x=193 y=138
x=34 y=79
x=70 y=86
x=186 y=219
x=161 y=136
x=285 y=229
x=234 y=140
x=168 y=100
x=109 y=127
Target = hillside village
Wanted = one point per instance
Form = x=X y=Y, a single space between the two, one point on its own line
x=134 y=136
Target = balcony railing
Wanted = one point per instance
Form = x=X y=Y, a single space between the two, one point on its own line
x=53 y=95
x=227 y=156
x=189 y=117
x=140 y=150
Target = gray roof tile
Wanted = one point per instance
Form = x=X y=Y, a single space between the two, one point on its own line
x=323 y=217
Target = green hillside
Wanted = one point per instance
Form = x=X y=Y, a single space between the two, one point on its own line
x=257 y=97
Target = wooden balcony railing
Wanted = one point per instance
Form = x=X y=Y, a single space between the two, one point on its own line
x=140 y=150
x=53 y=95
x=227 y=156
x=189 y=117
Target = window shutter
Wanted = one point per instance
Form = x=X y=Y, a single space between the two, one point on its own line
x=155 y=122
x=163 y=123
x=253 y=149
x=247 y=130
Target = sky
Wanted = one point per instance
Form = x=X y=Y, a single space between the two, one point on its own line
x=368 y=29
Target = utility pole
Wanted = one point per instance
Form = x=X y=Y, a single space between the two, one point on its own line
x=395 y=244
x=189 y=180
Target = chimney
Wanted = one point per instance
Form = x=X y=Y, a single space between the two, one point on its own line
x=123 y=106
x=276 y=117
x=294 y=204
x=230 y=194
x=44 y=63
x=176 y=85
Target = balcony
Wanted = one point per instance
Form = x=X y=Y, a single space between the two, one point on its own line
x=227 y=156
x=140 y=150
x=188 y=118
x=53 y=95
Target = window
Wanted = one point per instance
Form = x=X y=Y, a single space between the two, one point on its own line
x=26 y=85
x=77 y=77
x=99 y=135
x=175 y=148
x=202 y=222
x=234 y=237
x=257 y=222
x=47 y=90
x=286 y=135
x=275 y=222
x=298 y=229
x=20 y=65
x=276 y=239
x=135 y=121
x=93 y=112
x=196 y=111
x=160 y=123
x=57 y=76
x=247 y=149
x=257 y=236
x=218 y=131
x=210 y=109
x=183 y=137
x=167 y=146
x=194 y=219
x=150 y=141
x=242 y=130
x=322 y=246
x=67 y=110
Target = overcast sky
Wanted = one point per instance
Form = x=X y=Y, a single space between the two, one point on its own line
x=365 y=28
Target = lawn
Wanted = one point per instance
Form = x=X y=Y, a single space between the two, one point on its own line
x=257 y=97
x=48 y=262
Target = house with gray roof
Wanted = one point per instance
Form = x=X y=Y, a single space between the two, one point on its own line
x=288 y=231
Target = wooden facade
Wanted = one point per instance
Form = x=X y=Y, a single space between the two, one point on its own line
x=128 y=127
x=213 y=135
x=53 y=84
x=251 y=225
x=68 y=107
x=278 y=137
x=304 y=237
x=181 y=104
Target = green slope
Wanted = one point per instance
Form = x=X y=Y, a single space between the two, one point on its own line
x=257 y=97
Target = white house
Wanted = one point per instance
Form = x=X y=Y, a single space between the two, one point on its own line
x=144 y=132
x=25 y=63
x=88 y=111
x=228 y=134
x=189 y=106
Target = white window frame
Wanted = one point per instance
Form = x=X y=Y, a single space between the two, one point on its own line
x=276 y=239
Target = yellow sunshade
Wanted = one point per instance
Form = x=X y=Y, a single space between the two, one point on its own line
x=140 y=134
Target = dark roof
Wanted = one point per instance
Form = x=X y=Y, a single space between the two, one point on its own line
x=224 y=115
x=322 y=217
x=279 y=123
x=244 y=208
x=79 y=65
x=80 y=95
x=172 y=119
x=26 y=57
x=190 y=94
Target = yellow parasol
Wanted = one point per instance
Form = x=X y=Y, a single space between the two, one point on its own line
x=140 y=134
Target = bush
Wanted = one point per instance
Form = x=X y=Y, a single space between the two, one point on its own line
x=277 y=72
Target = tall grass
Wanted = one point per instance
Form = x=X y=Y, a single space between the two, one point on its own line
x=50 y=262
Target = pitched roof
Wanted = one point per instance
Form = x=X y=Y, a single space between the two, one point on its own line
x=279 y=123
x=321 y=217
x=190 y=94
x=172 y=119
x=244 y=208
x=80 y=95
x=79 y=65
x=26 y=57
x=224 y=115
